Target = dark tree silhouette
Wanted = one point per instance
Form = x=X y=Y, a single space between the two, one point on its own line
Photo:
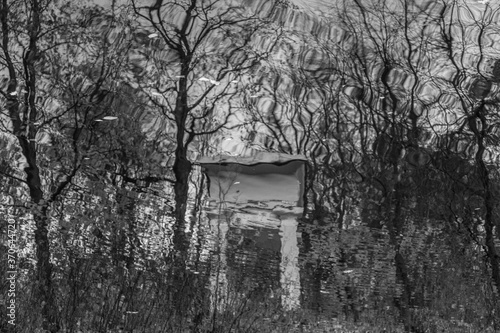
x=199 y=54
x=60 y=71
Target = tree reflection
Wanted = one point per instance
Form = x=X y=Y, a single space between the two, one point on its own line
x=200 y=56
x=395 y=104
x=393 y=110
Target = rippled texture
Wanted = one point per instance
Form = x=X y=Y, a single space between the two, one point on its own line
x=396 y=104
x=133 y=152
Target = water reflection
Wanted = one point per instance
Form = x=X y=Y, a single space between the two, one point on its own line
x=394 y=106
x=254 y=206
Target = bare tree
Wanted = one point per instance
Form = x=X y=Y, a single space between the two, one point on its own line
x=400 y=92
x=197 y=57
x=59 y=72
x=420 y=80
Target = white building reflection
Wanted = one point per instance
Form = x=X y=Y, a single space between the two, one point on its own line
x=253 y=210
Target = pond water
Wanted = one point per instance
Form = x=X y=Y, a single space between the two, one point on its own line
x=279 y=166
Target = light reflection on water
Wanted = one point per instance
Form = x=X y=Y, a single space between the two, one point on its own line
x=251 y=229
x=252 y=212
x=358 y=270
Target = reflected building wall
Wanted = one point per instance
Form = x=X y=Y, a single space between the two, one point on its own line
x=253 y=211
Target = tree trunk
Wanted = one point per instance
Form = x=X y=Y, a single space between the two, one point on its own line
x=182 y=166
x=182 y=170
x=489 y=199
x=45 y=290
x=50 y=318
x=403 y=303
